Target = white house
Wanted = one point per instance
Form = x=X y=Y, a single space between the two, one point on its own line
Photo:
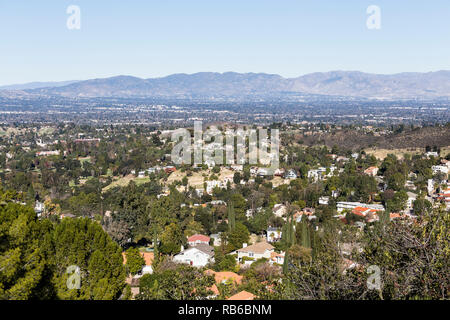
x=432 y=154
x=141 y=174
x=198 y=256
x=439 y=169
x=324 y=200
x=277 y=258
x=279 y=210
x=411 y=198
x=430 y=187
x=342 y=205
x=39 y=208
x=216 y=238
x=254 y=252
x=291 y=175
x=211 y=184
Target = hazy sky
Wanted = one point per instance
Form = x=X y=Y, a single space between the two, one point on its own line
x=148 y=38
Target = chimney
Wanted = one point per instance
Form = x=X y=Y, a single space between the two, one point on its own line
x=244 y=245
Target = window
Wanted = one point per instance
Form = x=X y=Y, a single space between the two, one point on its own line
x=250 y=254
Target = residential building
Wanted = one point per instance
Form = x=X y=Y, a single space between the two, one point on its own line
x=342 y=205
x=198 y=256
x=371 y=171
x=198 y=239
x=243 y=295
x=254 y=252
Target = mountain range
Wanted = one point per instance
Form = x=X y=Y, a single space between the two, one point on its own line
x=410 y=85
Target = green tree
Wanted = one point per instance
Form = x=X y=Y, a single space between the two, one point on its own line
x=239 y=236
x=171 y=239
x=135 y=261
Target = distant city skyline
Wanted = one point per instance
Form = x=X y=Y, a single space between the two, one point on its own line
x=149 y=39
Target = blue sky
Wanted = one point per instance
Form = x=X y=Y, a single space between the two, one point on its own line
x=147 y=38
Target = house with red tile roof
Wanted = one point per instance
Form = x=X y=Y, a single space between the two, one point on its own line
x=243 y=295
x=371 y=171
x=224 y=276
x=198 y=239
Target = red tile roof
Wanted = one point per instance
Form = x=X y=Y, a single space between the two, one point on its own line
x=198 y=237
x=225 y=275
x=243 y=295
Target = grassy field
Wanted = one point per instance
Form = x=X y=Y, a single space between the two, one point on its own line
x=382 y=153
x=124 y=181
x=399 y=153
x=197 y=179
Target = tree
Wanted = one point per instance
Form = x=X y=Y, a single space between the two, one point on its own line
x=24 y=270
x=135 y=261
x=422 y=206
x=239 y=236
x=38 y=258
x=413 y=257
x=181 y=282
x=231 y=217
x=83 y=243
x=171 y=239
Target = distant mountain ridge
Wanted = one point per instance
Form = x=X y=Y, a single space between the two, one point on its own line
x=409 y=85
x=36 y=85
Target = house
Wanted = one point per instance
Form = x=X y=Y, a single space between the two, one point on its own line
x=273 y=234
x=342 y=205
x=169 y=169
x=430 y=187
x=216 y=238
x=198 y=256
x=439 y=169
x=199 y=192
x=324 y=200
x=367 y=213
x=371 y=171
x=48 y=153
x=445 y=197
x=141 y=174
x=254 y=252
x=198 y=239
x=277 y=258
x=279 y=172
x=342 y=159
x=67 y=215
x=432 y=154
x=211 y=184
x=309 y=212
x=262 y=172
x=39 y=208
x=279 y=210
x=237 y=167
x=290 y=175
x=411 y=198
x=225 y=276
x=243 y=295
